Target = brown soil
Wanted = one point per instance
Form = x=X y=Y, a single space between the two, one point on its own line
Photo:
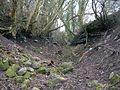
x=97 y=64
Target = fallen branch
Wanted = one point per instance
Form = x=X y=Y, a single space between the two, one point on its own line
x=90 y=49
x=5 y=29
x=84 y=54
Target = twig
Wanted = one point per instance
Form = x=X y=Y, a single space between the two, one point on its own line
x=112 y=49
x=86 y=37
x=4 y=86
x=84 y=54
x=4 y=29
x=57 y=28
x=90 y=49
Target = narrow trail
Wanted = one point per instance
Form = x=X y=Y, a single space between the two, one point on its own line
x=97 y=64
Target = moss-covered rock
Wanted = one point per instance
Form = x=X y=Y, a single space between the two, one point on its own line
x=27 y=75
x=4 y=64
x=113 y=88
x=96 y=85
x=28 y=63
x=66 y=67
x=42 y=69
x=55 y=70
x=67 y=64
x=30 y=69
x=54 y=79
x=50 y=83
x=114 y=78
x=23 y=60
x=11 y=71
x=25 y=84
x=26 y=55
x=11 y=61
x=35 y=65
x=19 y=79
x=67 y=70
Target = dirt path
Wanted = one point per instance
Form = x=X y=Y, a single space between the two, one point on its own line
x=97 y=64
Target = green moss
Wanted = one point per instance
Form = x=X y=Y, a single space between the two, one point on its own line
x=56 y=70
x=4 y=65
x=19 y=79
x=23 y=59
x=59 y=69
x=35 y=64
x=11 y=71
x=66 y=67
x=27 y=75
x=11 y=61
x=26 y=55
x=113 y=88
x=66 y=64
x=38 y=50
x=42 y=69
x=96 y=85
x=50 y=83
x=114 y=78
x=63 y=68
x=25 y=84
x=67 y=70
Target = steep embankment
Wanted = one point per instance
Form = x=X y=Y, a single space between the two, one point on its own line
x=22 y=70
x=17 y=66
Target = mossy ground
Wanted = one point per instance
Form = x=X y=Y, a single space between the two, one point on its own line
x=12 y=61
x=97 y=65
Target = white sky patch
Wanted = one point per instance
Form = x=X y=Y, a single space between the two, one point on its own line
x=60 y=23
x=89 y=17
x=8 y=0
